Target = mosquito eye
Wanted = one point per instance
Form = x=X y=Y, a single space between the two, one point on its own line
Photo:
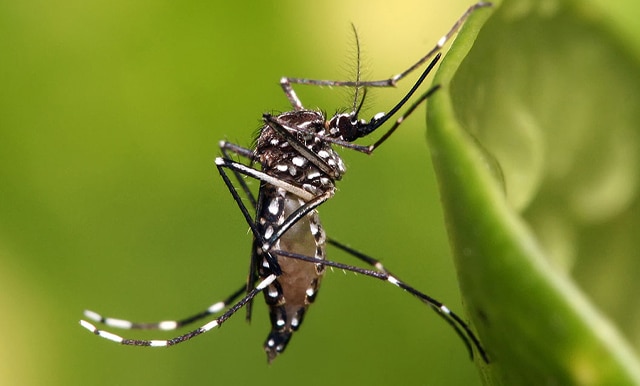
x=347 y=127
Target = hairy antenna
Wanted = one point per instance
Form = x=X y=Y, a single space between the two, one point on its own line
x=356 y=108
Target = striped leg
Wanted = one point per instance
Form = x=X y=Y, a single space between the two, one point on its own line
x=165 y=325
x=287 y=83
x=455 y=321
x=182 y=338
x=226 y=148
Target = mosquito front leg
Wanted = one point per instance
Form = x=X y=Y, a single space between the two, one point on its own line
x=258 y=175
x=296 y=103
x=441 y=42
x=389 y=82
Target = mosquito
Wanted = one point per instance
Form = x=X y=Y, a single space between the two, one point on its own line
x=298 y=170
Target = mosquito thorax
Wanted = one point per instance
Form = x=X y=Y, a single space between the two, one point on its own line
x=282 y=160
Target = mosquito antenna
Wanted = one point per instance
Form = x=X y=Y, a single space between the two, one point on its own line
x=356 y=107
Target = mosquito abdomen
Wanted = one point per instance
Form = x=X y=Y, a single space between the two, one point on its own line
x=290 y=295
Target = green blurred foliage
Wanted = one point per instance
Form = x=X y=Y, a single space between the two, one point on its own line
x=110 y=115
x=536 y=150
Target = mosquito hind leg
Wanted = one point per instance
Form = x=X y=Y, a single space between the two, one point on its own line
x=165 y=325
x=189 y=335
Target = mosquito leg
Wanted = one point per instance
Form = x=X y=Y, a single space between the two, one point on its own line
x=225 y=148
x=378 y=265
x=165 y=325
x=441 y=42
x=236 y=149
x=390 y=82
x=311 y=204
x=221 y=163
x=258 y=175
x=437 y=307
x=285 y=83
x=192 y=334
x=359 y=255
x=455 y=321
x=295 y=217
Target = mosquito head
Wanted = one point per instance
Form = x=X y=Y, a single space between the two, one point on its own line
x=344 y=126
x=347 y=126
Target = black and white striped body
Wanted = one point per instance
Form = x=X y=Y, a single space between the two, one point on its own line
x=289 y=296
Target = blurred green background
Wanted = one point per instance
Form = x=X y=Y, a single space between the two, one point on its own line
x=110 y=115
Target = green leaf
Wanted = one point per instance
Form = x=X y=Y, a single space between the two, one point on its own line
x=536 y=147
